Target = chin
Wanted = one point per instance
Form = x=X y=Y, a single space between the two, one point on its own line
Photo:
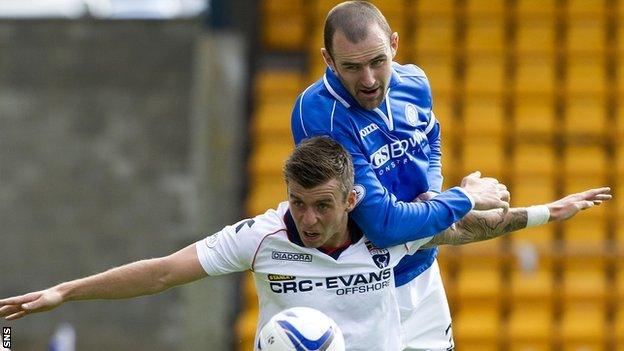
x=312 y=245
x=370 y=105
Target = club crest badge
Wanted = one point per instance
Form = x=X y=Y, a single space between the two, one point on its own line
x=381 y=257
x=411 y=115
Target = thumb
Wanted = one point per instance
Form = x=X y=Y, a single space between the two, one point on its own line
x=475 y=174
x=505 y=206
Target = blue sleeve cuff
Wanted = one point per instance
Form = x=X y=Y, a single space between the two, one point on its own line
x=472 y=202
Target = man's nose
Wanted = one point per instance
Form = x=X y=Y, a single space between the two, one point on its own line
x=368 y=78
x=309 y=218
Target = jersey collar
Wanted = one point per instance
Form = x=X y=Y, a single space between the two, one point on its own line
x=293 y=234
x=336 y=89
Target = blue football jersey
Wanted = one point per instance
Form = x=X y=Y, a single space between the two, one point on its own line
x=396 y=154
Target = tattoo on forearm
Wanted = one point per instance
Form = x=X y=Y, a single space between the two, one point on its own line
x=482 y=225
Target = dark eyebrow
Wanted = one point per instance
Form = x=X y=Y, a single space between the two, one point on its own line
x=350 y=64
x=380 y=56
x=319 y=201
x=323 y=201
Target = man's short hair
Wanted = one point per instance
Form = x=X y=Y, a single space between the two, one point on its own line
x=354 y=19
x=318 y=160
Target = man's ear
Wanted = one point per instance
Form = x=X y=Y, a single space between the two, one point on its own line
x=394 y=43
x=328 y=59
x=351 y=200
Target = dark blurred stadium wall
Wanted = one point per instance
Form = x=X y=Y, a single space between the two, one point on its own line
x=120 y=140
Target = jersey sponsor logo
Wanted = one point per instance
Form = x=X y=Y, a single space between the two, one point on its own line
x=280 y=277
x=291 y=256
x=379 y=157
x=360 y=193
x=381 y=257
x=411 y=115
x=397 y=149
x=368 y=129
x=341 y=285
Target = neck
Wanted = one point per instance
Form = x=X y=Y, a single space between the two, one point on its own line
x=341 y=238
x=329 y=249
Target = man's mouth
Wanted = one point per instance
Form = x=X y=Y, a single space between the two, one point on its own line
x=369 y=92
x=311 y=235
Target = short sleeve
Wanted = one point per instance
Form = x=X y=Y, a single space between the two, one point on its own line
x=229 y=250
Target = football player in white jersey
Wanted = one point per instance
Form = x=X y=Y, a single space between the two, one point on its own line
x=304 y=253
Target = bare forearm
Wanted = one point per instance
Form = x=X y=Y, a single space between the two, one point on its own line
x=144 y=277
x=135 y=279
x=480 y=226
x=485 y=225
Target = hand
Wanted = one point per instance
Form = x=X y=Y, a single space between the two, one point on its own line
x=570 y=205
x=39 y=301
x=487 y=193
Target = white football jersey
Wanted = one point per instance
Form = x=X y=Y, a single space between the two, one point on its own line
x=356 y=289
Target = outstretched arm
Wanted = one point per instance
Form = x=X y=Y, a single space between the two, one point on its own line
x=485 y=225
x=144 y=277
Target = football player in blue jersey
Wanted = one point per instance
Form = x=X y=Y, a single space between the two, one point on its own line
x=381 y=112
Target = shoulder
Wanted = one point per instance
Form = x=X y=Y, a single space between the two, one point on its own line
x=412 y=76
x=408 y=70
x=235 y=247
x=412 y=86
x=314 y=99
x=270 y=221
x=316 y=111
x=258 y=227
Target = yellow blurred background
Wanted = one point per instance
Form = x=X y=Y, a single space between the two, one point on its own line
x=527 y=91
